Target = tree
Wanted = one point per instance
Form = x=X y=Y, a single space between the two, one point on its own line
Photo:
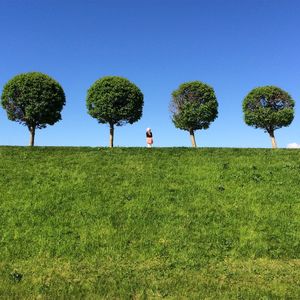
x=114 y=101
x=193 y=106
x=269 y=108
x=34 y=100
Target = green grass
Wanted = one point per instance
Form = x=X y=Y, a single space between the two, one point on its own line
x=149 y=223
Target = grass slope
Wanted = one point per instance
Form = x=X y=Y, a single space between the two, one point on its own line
x=149 y=223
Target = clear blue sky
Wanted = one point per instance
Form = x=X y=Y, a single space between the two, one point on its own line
x=232 y=45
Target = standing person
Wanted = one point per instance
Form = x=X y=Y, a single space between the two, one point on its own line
x=149 y=137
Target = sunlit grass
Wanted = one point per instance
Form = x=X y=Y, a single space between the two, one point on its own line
x=132 y=222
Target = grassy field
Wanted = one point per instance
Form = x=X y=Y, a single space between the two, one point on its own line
x=135 y=223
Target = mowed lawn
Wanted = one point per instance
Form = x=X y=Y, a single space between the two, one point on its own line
x=149 y=223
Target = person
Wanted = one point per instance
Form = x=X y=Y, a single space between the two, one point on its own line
x=149 y=137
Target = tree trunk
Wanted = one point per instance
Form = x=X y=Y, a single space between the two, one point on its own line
x=273 y=140
x=32 y=135
x=193 y=138
x=111 y=136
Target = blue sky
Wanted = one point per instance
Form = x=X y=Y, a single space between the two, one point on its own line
x=233 y=45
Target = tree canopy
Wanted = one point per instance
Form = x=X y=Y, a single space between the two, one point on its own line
x=116 y=101
x=34 y=100
x=268 y=108
x=194 y=106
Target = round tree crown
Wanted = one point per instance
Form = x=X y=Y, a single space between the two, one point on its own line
x=194 y=106
x=33 y=99
x=115 y=100
x=268 y=107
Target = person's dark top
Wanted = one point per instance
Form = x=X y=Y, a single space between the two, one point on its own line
x=148 y=134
